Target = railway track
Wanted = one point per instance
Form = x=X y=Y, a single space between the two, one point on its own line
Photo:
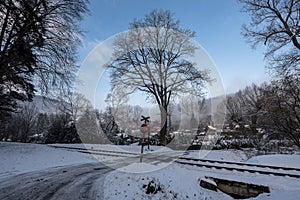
x=98 y=151
x=213 y=164
x=241 y=164
x=241 y=167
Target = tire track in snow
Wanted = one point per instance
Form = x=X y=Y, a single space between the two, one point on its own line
x=84 y=181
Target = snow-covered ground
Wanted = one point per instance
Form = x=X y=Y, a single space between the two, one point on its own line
x=16 y=158
x=228 y=155
x=182 y=182
x=224 y=155
x=110 y=147
x=277 y=160
x=173 y=181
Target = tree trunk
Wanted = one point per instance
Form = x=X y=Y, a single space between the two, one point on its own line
x=170 y=121
x=254 y=124
x=163 y=122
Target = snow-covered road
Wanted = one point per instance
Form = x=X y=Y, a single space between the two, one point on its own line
x=33 y=171
x=80 y=181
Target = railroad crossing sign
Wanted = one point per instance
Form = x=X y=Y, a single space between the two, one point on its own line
x=145 y=119
x=144 y=130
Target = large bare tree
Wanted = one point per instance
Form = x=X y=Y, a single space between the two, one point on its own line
x=151 y=58
x=282 y=108
x=38 y=40
x=276 y=24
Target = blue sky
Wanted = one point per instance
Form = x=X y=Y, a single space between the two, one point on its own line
x=217 y=24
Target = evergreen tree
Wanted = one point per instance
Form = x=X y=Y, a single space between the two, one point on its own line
x=38 y=41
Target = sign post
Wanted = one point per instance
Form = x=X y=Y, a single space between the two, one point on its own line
x=144 y=130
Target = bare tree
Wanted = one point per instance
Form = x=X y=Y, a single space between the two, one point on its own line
x=204 y=117
x=246 y=106
x=78 y=105
x=282 y=107
x=88 y=128
x=234 y=109
x=137 y=113
x=108 y=123
x=192 y=112
x=151 y=59
x=21 y=123
x=253 y=102
x=38 y=40
x=275 y=23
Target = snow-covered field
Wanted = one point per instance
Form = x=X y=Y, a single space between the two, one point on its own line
x=16 y=158
x=171 y=182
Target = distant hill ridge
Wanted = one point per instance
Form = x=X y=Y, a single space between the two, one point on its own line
x=45 y=104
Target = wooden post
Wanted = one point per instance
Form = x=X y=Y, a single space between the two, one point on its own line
x=148 y=140
x=144 y=130
x=142 y=149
